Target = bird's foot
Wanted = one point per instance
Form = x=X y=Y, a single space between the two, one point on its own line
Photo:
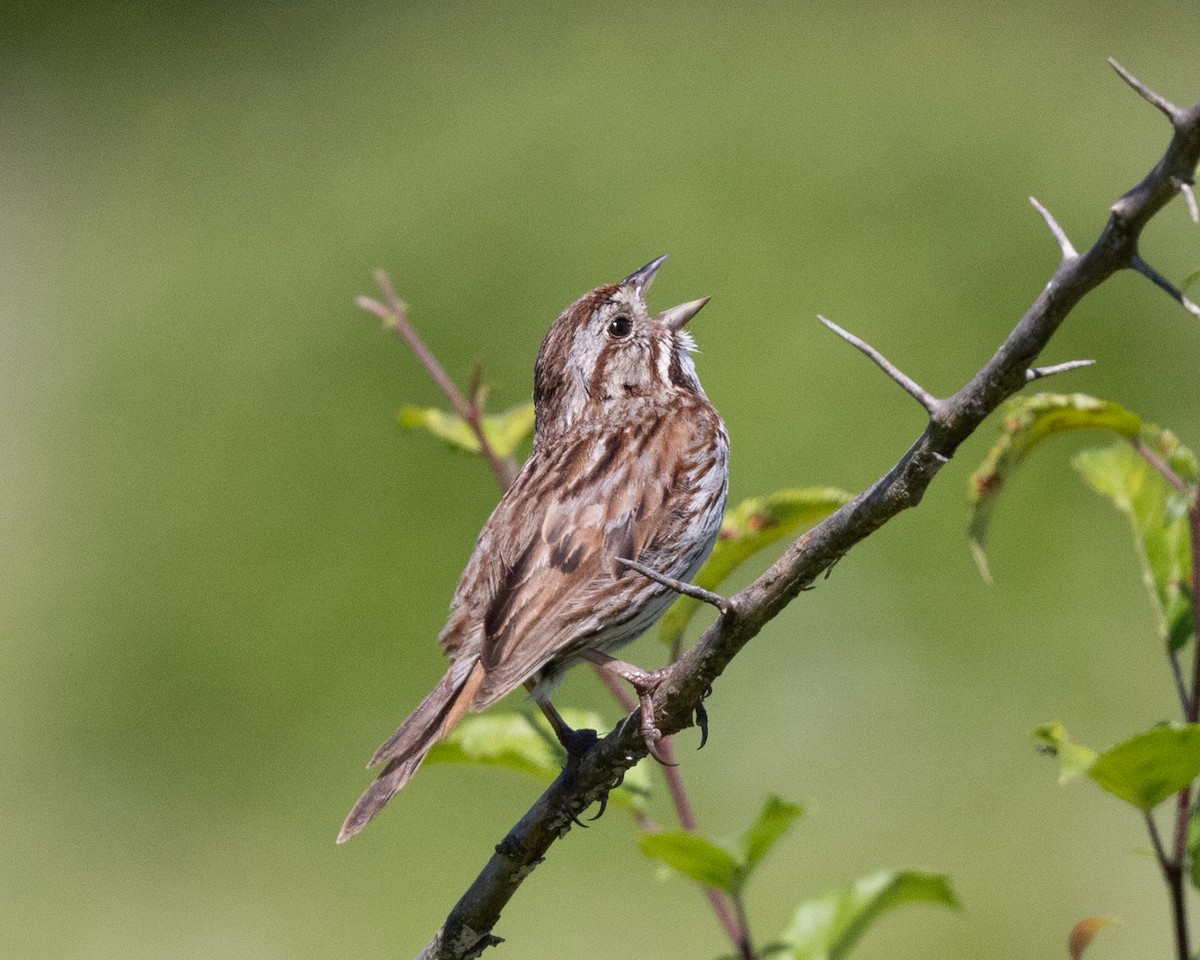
x=645 y=682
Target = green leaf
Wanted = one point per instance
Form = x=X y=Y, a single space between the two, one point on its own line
x=1191 y=278
x=772 y=822
x=524 y=743
x=501 y=740
x=827 y=927
x=1074 y=758
x=1028 y=422
x=1158 y=519
x=504 y=431
x=751 y=526
x=694 y=856
x=1146 y=769
x=716 y=864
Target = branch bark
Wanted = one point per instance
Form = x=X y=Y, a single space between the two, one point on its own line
x=467 y=930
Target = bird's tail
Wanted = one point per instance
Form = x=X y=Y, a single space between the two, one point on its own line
x=404 y=750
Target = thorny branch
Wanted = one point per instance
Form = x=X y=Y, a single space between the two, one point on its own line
x=467 y=930
x=394 y=315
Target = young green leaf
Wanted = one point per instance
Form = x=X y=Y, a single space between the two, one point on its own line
x=504 y=431
x=772 y=822
x=751 y=526
x=1074 y=759
x=721 y=865
x=524 y=743
x=1146 y=769
x=1028 y=422
x=1159 y=522
x=502 y=740
x=827 y=927
x=694 y=856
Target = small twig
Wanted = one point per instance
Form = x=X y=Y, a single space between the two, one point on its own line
x=679 y=799
x=1183 y=809
x=1064 y=242
x=1172 y=871
x=745 y=946
x=394 y=315
x=1180 y=685
x=1160 y=852
x=1190 y=196
x=1169 y=109
x=1193 y=707
x=687 y=819
x=919 y=393
x=687 y=589
x=1142 y=267
x=618 y=689
x=1157 y=462
x=1036 y=373
x=1189 y=698
x=731 y=921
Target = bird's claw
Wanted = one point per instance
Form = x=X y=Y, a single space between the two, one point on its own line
x=702 y=717
x=650 y=733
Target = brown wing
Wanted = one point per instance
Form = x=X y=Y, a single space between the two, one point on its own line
x=543 y=581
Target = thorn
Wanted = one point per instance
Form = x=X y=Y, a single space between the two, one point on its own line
x=1142 y=267
x=1064 y=243
x=687 y=589
x=702 y=723
x=1162 y=103
x=921 y=395
x=1190 y=196
x=940 y=457
x=1036 y=373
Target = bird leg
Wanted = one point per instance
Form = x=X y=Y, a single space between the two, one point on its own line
x=645 y=682
x=575 y=742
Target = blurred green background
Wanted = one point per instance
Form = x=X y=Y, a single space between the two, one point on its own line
x=224 y=567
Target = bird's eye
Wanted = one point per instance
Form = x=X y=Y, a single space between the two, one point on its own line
x=620 y=327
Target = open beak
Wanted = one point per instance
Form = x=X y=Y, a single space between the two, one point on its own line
x=677 y=317
x=641 y=279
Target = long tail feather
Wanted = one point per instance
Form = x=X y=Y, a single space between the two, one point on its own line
x=405 y=749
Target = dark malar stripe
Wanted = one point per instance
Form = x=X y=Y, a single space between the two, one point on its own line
x=678 y=377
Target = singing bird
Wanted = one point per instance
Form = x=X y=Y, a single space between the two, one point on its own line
x=630 y=461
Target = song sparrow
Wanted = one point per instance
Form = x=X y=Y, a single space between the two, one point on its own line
x=630 y=461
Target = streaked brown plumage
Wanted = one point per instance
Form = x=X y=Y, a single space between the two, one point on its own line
x=630 y=461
